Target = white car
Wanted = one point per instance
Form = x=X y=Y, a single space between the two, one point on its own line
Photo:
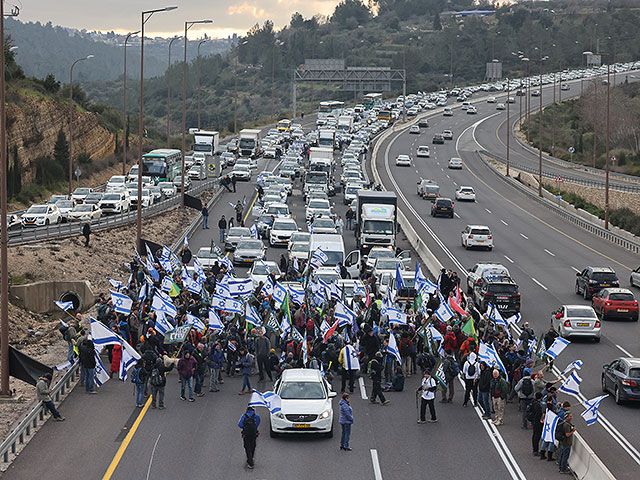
x=317 y=207
x=197 y=172
x=577 y=321
x=147 y=197
x=466 y=194
x=501 y=106
x=269 y=152
x=447 y=134
x=260 y=271
x=80 y=193
x=403 y=161
x=472 y=110
x=423 y=151
x=115 y=202
x=40 y=215
x=491 y=100
x=455 y=162
x=65 y=206
x=476 y=236
x=177 y=182
x=281 y=231
x=85 y=212
x=116 y=183
x=414 y=129
x=326 y=274
x=306 y=403
x=168 y=189
x=206 y=257
x=241 y=172
x=447 y=112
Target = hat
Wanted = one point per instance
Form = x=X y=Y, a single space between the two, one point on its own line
x=472 y=357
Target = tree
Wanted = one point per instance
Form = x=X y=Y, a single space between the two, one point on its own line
x=297 y=20
x=61 y=151
x=350 y=9
x=50 y=84
x=436 y=22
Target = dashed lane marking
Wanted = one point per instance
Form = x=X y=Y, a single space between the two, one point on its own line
x=539 y=284
x=550 y=253
x=505 y=223
x=524 y=236
x=508 y=258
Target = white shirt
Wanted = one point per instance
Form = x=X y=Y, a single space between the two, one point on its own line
x=426 y=385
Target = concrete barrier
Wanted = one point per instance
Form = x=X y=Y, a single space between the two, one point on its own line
x=585 y=463
x=39 y=296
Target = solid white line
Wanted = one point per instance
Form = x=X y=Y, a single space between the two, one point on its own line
x=363 y=390
x=550 y=253
x=575 y=269
x=152 y=454
x=536 y=281
x=624 y=351
x=505 y=223
x=508 y=258
x=488 y=211
x=524 y=236
x=376 y=464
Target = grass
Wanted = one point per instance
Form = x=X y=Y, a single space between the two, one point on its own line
x=22 y=278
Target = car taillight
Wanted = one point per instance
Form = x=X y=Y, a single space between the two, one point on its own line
x=517 y=295
x=567 y=323
x=630 y=383
x=489 y=236
x=487 y=294
x=470 y=236
x=597 y=323
x=635 y=303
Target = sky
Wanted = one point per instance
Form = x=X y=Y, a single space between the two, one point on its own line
x=122 y=16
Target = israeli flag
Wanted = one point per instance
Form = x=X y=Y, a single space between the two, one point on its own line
x=590 y=415
x=121 y=303
x=142 y=294
x=393 y=347
x=483 y=353
x=305 y=352
x=269 y=400
x=351 y=358
x=296 y=265
x=194 y=286
x=167 y=284
x=575 y=365
x=336 y=291
x=254 y=230
x=102 y=376
x=279 y=294
x=285 y=326
x=186 y=242
x=162 y=324
x=227 y=304
x=495 y=315
x=396 y=316
x=318 y=258
x=214 y=320
x=64 y=305
x=197 y=266
x=344 y=314
x=165 y=263
x=240 y=287
x=571 y=386
x=514 y=318
x=165 y=253
x=556 y=348
x=164 y=305
x=399 y=279
x=126 y=362
x=228 y=263
x=101 y=335
x=223 y=290
x=115 y=283
x=195 y=322
x=443 y=312
x=549 y=429
x=252 y=316
x=296 y=293
x=267 y=287
x=359 y=290
x=435 y=334
x=152 y=271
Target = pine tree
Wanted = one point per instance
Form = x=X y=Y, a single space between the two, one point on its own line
x=436 y=22
x=61 y=151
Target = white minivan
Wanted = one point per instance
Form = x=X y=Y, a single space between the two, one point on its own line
x=332 y=245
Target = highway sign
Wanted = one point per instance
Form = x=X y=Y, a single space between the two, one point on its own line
x=613 y=158
x=572 y=150
x=559 y=179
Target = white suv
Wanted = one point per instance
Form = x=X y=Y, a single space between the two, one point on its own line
x=116 y=183
x=40 y=215
x=477 y=236
x=115 y=202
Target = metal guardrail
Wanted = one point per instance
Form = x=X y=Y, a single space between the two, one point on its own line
x=38 y=415
x=590 y=227
x=70 y=229
x=565 y=178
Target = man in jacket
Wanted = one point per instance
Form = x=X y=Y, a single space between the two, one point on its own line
x=43 y=394
x=205 y=217
x=376 y=377
x=346 y=420
x=157 y=391
x=565 y=443
x=222 y=226
x=370 y=343
x=535 y=417
x=262 y=347
x=449 y=365
x=429 y=387
x=246 y=365
x=186 y=368
x=216 y=362
x=249 y=423
x=450 y=341
x=471 y=372
x=201 y=368
x=499 y=389
x=525 y=390
x=86 y=352
x=484 y=387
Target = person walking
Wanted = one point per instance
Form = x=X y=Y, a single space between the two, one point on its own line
x=233 y=182
x=87 y=355
x=86 y=232
x=216 y=362
x=70 y=336
x=525 y=390
x=158 y=380
x=535 y=417
x=201 y=368
x=249 y=423
x=186 y=368
x=205 y=217
x=484 y=387
x=499 y=389
x=376 y=369
x=262 y=347
x=471 y=373
x=564 y=435
x=43 y=394
x=139 y=380
x=246 y=365
x=429 y=387
x=222 y=225
x=349 y=365
x=346 y=420
x=349 y=216
x=340 y=225
x=451 y=370
x=239 y=209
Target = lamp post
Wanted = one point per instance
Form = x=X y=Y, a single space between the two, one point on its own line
x=169 y=94
x=542 y=59
x=508 y=128
x=277 y=43
x=235 y=90
x=203 y=41
x=145 y=16
x=71 y=120
x=187 y=26
x=524 y=90
x=124 y=106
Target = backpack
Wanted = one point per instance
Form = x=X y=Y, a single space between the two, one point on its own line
x=529 y=412
x=471 y=369
x=135 y=376
x=560 y=434
x=527 y=386
x=426 y=361
x=250 y=429
x=64 y=330
x=452 y=368
x=405 y=347
x=156 y=378
x=518 y=373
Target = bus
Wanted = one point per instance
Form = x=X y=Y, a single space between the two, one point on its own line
x=384 y=115
x=330 y=108
x=163 y=165
x=372 y=100
x=284 y=125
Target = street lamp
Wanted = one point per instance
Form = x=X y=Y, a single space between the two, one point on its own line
x=169 y=94
x=71 y=119
x=145 y=16
x=187 y=26
x=542 y=59
x=277 y=43
x=201 y=42
x=124 y=105
x=235 y=90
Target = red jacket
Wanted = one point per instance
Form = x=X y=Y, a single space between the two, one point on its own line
x=450 y=341
x=116 y=355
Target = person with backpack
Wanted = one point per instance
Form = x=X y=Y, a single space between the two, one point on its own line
x=216 y=362
x=69 y=333
x=534 y=415
x=186 y=368
x=158 y=381
x=471 y=373
x=426 y=361
x=346 y=420
x=429 y=387
x=564 y=435
x=525 y=390
x=249 y=423
x=406 y=345
x=484 y=388
x=451 y=371
x=499 y=390
x=375 y=371
x=139 y=380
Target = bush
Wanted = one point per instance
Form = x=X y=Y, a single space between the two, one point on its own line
x=48 y=172
x=625 y=219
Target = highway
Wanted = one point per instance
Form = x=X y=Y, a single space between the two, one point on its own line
x=542 y=252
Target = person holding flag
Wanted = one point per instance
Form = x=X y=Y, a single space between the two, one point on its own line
x=349 y=365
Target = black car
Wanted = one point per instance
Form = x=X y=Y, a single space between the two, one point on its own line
x=500 y=291
x=622 y=378
x=437 y=138
x=593 y=279
x=424 y=123
x=442 y=207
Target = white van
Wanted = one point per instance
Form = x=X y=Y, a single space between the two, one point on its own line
x=333 y=246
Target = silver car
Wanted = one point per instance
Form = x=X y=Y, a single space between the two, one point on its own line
x=248 y=250
x=576 y=321
x=234 y=235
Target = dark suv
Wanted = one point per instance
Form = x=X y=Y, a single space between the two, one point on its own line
x=437 y=138
x=593 y=279
x=442 y=207
x=500 y=291
x=424 y=123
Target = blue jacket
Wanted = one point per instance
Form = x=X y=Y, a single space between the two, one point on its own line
x=249 y=414
x=217 y=358
x=246 y=364
x=346 y=412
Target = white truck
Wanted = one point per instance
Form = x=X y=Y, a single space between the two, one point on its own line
x=327 y=138
x=333 y=246
x=250 y=143
x=376 y=219
x=345 y=123
x=321 y=153
x=206 y=142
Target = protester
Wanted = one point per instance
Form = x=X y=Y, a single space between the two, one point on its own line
x=186 y=368
x=564 y=435
x=246 y=365
x=376 y=368
x=139 y=380
x=205 y=217
x=43 y=394
x=346 y=420
x=484 y=390
x=200 y=356
x=499 y=390
x=535 y=417
x=216 y=362
x=249 y=423
x=158 y=381
x=525 y=393
x=429 y=387
x=87 y=355
x=222 y=225
x=348 y=367
x=86 y=232
x=471 y=373
x=262 y=348
x=451 y=370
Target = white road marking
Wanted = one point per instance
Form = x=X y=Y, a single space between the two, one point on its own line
x=153 y=452
x=575 y=269
x=541 y=285
x=455 y=184
x=624 y=351
x=550 y=253
x=442 y=169
x=363 y=390
x=488 y=211
x=524 y=236
x=377 y=473
x=505 y=223
x=508 y=258
x=448 y=176
x=456 y=215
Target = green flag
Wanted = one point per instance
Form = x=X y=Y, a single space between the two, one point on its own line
x=469 y=329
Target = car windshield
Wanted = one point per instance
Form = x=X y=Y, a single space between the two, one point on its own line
x=265 y=269
x=117 y=180
x=239 y=232
x=503 y=289
x=604 y=277
x=286 y=226
x=206 y=253
x=64 y=204
x=382 y=253
x=83 y=208
x=165 y=185
x=318 y=204
x=378 y=226
x=444 y=203
x=323 y=222
x=622 y=297
x=302 y=391
x=37 y=209
x=82 y=191
x=301 y=237
x=250 y=245
x=386 y=264
x=111 y=197
x=300 y=247
x=583 y=312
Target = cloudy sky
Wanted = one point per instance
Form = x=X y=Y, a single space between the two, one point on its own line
x=229 y=16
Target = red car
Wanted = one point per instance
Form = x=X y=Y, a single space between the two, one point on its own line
x=615 y=302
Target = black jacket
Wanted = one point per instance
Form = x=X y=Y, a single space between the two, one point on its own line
x=484 y=381
x=222 y=224
x=86 y=353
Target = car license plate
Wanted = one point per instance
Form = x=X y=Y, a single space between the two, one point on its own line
x=605 y=285
x=480 y=241
x=301 y=425
x=582 y=324
x=623 y=309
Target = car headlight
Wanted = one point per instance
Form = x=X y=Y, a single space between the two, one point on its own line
x=325 y=414
x=279 y=415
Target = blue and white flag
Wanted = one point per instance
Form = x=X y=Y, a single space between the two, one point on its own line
x=305 y=352
x=359 y=290
x=269 y=400
x=351 y=358
x=186 y=242
x=296 y=293
x=197 y=266
x=483 y=353
x=167 y=284
x=251 y=316
x=495 y=315
x=571 y=385
x=195 y=322
x=514 y=318
x=115 y=283
x=164 y=304
x=101 y=336
x=162 y=324
x=344 y=314
x=590 y=415
x=556 y=348
x=396 y=316
x=165 y=263
x=285 y=326
x=227 y=304
x=64 y=305
x=443 y=312
x=152 y=270
x=240 y=287
x=165 y=253
x=318 y=258
x=399 y=279
x=142 y=294
x=126 y=362
x=102 y=376
x=575 y=365
x=228 y=263
x=279 y=294
x=435 y=334
x=422 y=284
x=254 y=230
x=121 y=303
x=214 y=320
x=549 y=428
x=393 y=347
x=295 y=264
x=267 y=287
x=222 y=289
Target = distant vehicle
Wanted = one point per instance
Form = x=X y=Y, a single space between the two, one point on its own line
x=423 y=123
x=162 y=164
x=576 y=321
x=472 y=110
x=491 y=100
x=177 y=182
x=622 y=378
x=438 y=139
x=481 y=270
x=115 y=202
x=41 y=215
x=447 y=134
x=615 y=303
x=93 y=198
x=323 y=225
x=234 y=235
x=466 y=193
x=403 y=161
x=535 y=93
x=248 y=250
x=65 y=206
x=84 y=212
x=428 y=189
x=261 y=270
x=442 y=207
x=168 y=189
x=414 y=129
x=198 y=172
x=565 y=87
x=455 y=163
x=501 y=106
x=116 y=183
x=241 y=172
x=634 y=278
x=80 y=193
x=593 y=279
x=448 y=112
x=281 y=231
x=476 y=236
x=206 y=257
x=511 y=100
x=423 y=151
